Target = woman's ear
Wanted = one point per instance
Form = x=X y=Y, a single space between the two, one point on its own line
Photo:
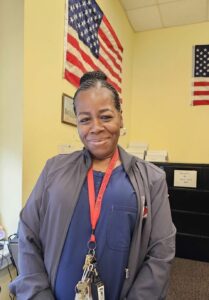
x=122 y=128
x=121 y=120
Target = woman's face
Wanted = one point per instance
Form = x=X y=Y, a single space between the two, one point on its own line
x=98 y=121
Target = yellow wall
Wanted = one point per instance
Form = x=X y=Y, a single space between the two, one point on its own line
x=161 y=112
x=43 y=83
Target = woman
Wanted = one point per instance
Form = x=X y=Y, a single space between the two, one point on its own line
x=128 y=234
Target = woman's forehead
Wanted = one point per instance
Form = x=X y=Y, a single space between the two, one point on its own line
x=95 y=94
x=97 y=90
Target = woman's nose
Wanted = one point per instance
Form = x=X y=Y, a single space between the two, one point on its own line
x=96 y=125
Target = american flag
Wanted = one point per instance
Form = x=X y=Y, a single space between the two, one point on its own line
x=200 y=91
x=90 y=43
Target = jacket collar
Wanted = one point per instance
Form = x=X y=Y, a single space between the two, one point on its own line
x=127 y=159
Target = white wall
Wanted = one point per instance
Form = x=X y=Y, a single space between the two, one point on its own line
x=11 y=112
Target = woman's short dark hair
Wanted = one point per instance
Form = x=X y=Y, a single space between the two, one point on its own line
x=91 y=79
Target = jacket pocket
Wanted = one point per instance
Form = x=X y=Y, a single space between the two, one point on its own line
x=120 y=227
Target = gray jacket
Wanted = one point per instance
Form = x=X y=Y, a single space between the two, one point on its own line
x=45 y=219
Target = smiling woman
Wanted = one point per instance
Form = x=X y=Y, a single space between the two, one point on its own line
x=99 y=122
x=108 y=209
x=99 y=117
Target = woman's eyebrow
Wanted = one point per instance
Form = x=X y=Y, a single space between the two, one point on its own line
x=100 y=111
x=105 y=110
x=84 y=113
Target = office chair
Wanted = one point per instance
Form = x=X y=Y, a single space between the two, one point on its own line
x=13 y=249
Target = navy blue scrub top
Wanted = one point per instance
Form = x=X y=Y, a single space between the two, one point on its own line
x=113 y=236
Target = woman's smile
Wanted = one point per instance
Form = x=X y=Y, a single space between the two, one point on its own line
x=98 y=141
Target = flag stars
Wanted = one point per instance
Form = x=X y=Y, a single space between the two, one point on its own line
x=85 y=17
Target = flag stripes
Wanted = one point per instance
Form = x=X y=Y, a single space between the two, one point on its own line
x=79 y=56
x=200 y=81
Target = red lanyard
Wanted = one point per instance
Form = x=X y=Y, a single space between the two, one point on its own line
x=95 y=206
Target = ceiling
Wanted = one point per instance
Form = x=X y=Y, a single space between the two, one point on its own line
x=155 y=14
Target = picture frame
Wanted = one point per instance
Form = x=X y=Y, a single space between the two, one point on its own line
x=68 y=115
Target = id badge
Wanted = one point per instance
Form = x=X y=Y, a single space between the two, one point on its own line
x=101 y=292
x=98 y=289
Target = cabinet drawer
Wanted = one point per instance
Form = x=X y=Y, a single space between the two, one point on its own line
x=191 y=222
x=190 y=200
x=192 y=247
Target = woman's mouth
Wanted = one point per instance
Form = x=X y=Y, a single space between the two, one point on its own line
x=97 y=141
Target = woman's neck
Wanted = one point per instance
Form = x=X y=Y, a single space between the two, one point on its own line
x=102 y=165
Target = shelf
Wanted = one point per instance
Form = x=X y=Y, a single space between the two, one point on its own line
x=186 y=189
x=192 y=246
x=191 y=213
x=190 y=210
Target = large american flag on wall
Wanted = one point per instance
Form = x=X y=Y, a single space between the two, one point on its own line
x=90 y=43
x=200 y=83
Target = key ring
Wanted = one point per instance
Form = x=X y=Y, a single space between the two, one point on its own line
x=91 y=246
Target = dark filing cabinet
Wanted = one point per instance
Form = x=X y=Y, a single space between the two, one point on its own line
x=190 y=211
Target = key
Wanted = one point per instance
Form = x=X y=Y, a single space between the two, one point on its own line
x=88 y=261
x=88 y=273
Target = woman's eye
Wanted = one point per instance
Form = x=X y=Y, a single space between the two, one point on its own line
x=106 y=117
x=83 y=120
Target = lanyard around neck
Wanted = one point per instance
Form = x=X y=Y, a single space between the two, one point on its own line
x=95 y=206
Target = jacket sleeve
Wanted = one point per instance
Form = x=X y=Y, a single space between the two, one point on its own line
x=32 y=281
x=153 y=277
